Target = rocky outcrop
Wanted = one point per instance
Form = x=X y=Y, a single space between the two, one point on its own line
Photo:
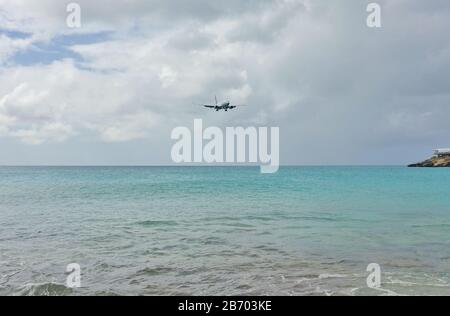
x=434 y=162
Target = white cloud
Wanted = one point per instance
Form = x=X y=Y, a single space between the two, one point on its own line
x=129 y=127
x=167 y=76
x=9 y=47
x=41 y=101
x=36 y=135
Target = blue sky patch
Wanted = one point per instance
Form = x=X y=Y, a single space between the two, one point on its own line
x=14 y=34
x=57 y=49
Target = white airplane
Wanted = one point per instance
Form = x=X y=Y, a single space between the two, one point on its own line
x=442 y=152
x=224 y=106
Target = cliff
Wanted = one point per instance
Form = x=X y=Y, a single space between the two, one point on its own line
x=436 y=162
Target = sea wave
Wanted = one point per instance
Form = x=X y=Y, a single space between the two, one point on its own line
x=43 y=289
x=151 y=223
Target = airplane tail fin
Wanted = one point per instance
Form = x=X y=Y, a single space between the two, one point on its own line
x=216 y=100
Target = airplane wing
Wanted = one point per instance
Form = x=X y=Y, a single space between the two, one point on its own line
x=208 y=106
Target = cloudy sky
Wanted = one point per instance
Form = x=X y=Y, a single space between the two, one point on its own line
x=111 y=91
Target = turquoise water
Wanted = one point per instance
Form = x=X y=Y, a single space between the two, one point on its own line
x=224 y=230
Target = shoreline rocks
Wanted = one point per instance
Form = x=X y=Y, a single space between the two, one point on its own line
x=433 y=162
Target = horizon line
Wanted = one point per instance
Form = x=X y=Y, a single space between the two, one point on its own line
x=206 y=165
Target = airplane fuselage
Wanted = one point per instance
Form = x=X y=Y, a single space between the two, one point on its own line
x=225 y=106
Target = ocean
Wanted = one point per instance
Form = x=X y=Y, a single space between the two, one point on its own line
x=224 y=230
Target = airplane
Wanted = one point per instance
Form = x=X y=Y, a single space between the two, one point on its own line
x=224 y=106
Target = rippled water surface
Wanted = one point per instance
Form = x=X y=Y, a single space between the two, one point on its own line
x=224 y=230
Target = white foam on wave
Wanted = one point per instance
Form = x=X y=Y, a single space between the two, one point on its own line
x=43 y=289
x=331 y=276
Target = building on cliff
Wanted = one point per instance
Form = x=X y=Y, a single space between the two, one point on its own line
x=442 y=152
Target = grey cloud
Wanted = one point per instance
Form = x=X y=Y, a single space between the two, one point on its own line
x=339 y=91
x=191 y=38
x=266 y=26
